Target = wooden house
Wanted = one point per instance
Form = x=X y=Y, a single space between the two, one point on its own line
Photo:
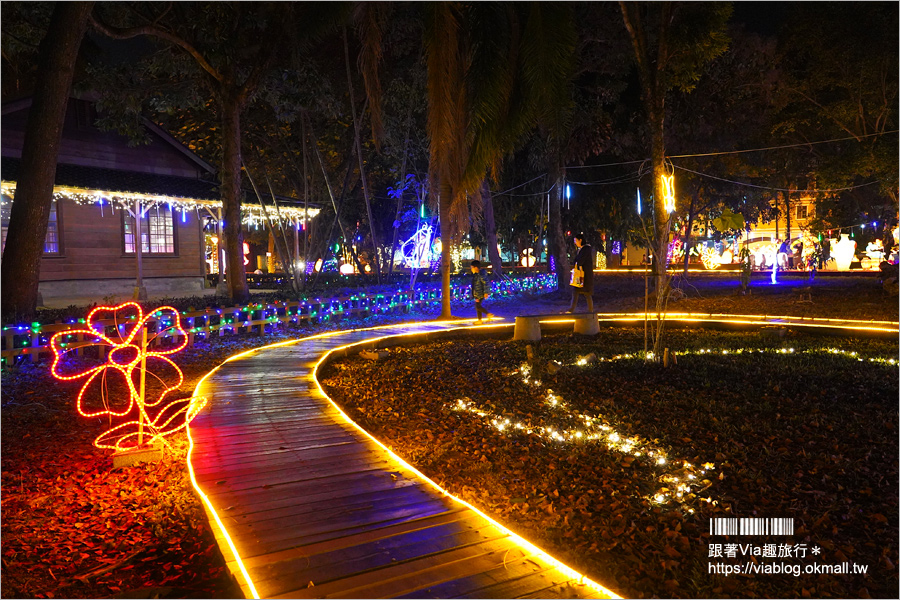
x=102 y=182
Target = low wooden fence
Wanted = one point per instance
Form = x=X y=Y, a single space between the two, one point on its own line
x=25 y=343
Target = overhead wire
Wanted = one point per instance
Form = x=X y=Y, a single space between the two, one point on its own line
x=640 y=173
x=762 y=187
x=798 y=145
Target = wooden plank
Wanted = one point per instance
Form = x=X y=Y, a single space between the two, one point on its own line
x=411 y=575
x=261 y=522
x=324 y=531
x=337 y=460
x=337 y=488
x=300 y=484
x=514 y=573
x=569 y=589
x=239 y=450
x=277 y=457
x=277 y=578
x=269 y=474
x=369 y=535
x=404 y=502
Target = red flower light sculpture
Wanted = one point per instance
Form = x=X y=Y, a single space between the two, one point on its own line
x=129 y=360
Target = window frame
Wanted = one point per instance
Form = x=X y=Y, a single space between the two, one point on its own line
x=145 y=222
x=55 y=210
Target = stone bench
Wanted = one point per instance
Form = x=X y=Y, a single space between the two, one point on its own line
x=528 y=327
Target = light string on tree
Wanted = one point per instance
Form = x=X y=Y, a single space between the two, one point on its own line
x=128 y=358
x=28 y=336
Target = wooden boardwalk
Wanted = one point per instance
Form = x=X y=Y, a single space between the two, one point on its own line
x=305 y=505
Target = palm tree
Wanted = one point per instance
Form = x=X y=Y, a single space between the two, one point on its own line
x=494 y=70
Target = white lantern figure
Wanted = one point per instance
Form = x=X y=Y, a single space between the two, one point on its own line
x=843 y=252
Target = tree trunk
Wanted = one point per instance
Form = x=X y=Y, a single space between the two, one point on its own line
x=362 y=168
x=557 y=241
x=490 y=229
x=787 y=213
x=30 y=212
x=444 y=201
x=660 y=216
x=231 y=197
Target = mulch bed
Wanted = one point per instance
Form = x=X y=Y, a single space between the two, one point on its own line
x=72 y=527
x=807 y=435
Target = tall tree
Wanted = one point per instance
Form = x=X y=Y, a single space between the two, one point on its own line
x=30 y=211
x=491 y=74
x=672 y=41
x=230 y=48
x=839 y=63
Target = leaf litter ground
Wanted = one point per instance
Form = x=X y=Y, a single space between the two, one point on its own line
x=71 y=527
x=807 y=435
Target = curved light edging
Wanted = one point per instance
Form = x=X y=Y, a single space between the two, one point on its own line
x=702 y=319
x=196 y=484
x=531 y=548
x=792 y=319
x=697 y=317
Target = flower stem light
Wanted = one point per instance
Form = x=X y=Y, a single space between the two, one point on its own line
x=127 y=358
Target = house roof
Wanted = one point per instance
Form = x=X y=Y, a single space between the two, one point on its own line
x=95 y=178
x=24 y=102
x=131 y=183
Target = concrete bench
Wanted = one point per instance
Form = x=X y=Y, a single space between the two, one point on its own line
x=528 y=327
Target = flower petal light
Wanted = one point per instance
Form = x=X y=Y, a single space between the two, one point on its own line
x=129 y=357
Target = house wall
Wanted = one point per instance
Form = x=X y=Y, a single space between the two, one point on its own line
x=92 y=249
x=798 y=225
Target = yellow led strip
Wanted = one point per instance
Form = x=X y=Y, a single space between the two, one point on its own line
x=515 y=537
x=523 y=543
x=209 y=505
x=757 y=317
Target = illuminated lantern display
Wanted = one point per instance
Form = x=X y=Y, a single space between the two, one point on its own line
x=347 y=269
x=710 y=259
x=668 y=182
x=843 y=252
x=318 y=266
x=528 y=257
x=144 y=420
x=416 y=250
x=246 y=252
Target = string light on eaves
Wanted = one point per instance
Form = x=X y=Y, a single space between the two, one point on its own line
x=251 y=213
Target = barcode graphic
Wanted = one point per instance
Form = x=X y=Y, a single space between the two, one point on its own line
x=751 y=526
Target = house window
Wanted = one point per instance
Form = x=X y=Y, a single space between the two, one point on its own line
x=157 y=231
x=802 y=211
x=51 y=240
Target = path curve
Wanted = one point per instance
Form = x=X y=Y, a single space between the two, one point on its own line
x=305 y=504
